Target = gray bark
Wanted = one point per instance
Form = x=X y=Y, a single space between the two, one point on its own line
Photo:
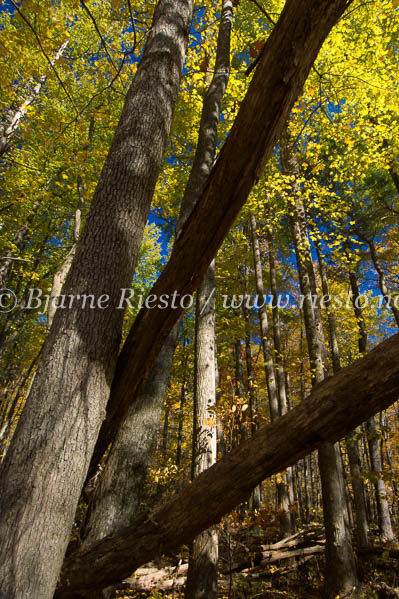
x=282 y=488
x=384 y=518
x=340 y=572
x=45 y=467
x=352 y=445
x=202 y=575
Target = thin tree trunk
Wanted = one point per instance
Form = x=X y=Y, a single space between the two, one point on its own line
x=62 y=272
x=45 y=467
x=384 y=519
x=340 y=572
x=202 y=575
x=8 y=132
x=181 y=419
x=388 y=299
x=282 y=488
x=351 y=442
x=281 y=374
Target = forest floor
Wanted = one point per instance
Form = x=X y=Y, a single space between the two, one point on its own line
x=249 y=568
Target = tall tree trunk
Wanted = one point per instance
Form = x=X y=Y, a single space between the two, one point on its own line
x=281 y=374
x=179 y=444
x=384 y=519
x=45 y=467
x=253 y=406
x=352 y=445
x=334 y=408
x=282 y=488
x=340 y=572
x=202 y=573
x=133 y=442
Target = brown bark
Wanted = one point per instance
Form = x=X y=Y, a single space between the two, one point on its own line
x=288 y=56
x=334 y=408
x=45 y=467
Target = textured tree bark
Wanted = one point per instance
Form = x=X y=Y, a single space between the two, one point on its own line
x=340 y=572
x=278 y=80
x=45 y=468
x=202 y=575
x=116 y=501
x=334 y=408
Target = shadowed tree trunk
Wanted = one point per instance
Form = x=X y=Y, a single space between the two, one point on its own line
x=45 y=467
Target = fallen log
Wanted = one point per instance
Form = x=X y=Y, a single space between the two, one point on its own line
x=265 y=558
x=333 y=409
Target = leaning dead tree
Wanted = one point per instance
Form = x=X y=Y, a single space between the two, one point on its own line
x=335 y=407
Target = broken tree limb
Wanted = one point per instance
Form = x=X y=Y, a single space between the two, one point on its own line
x=334 y=408
x=287 y=58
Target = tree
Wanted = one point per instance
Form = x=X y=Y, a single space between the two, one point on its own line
x=291 y=49
x=76 y=369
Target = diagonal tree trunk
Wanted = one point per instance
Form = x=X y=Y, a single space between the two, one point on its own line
x=334 y=408
x=278 y=80
x=44 y=470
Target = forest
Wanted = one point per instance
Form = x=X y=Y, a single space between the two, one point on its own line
x=199 y=299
